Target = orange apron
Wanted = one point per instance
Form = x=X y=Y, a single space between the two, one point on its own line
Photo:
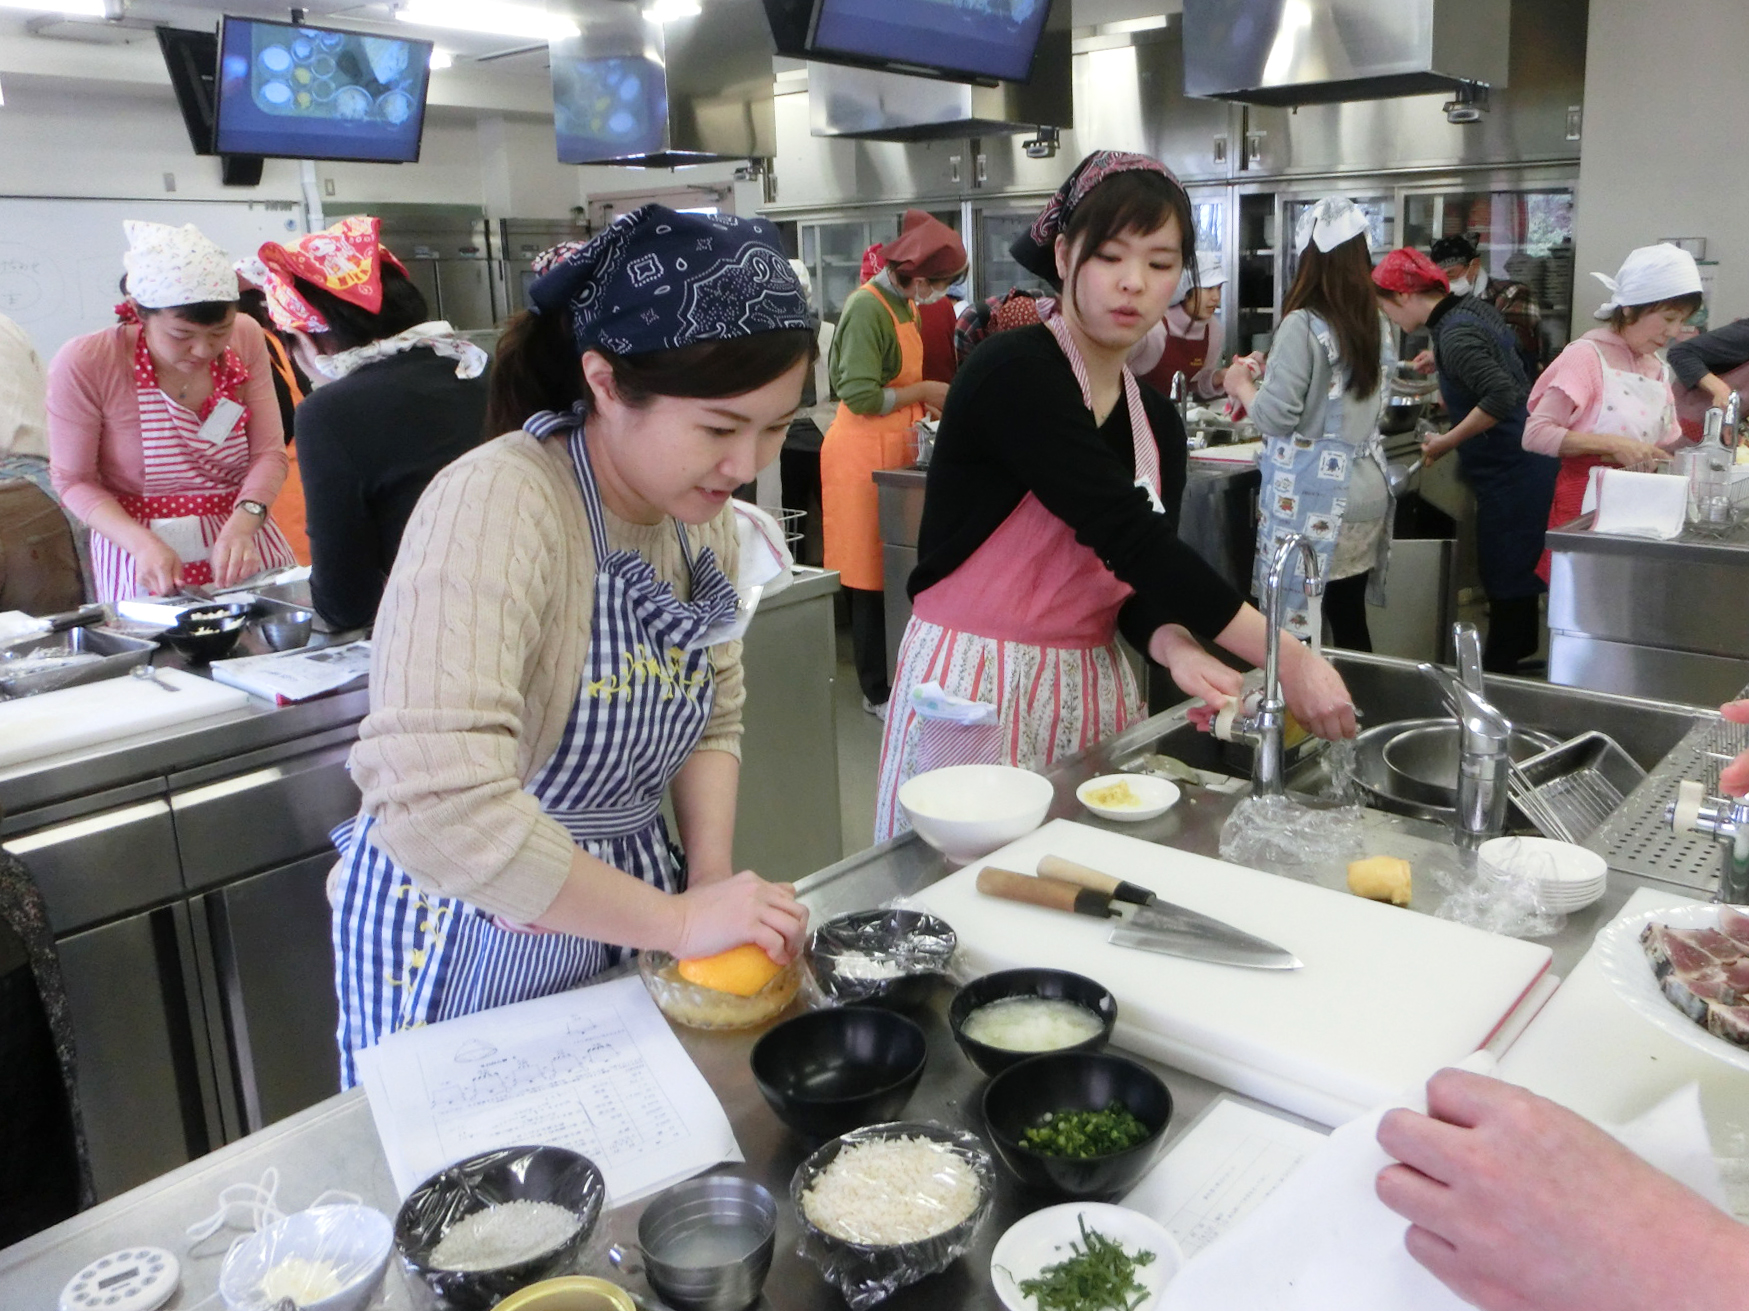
x=855 y=446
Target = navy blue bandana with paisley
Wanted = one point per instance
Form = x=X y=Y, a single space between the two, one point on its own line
x=657 y=280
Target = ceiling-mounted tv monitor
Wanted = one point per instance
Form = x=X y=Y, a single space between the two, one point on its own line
x=609 y=108
x=299 y=92
x=961 y=40
x=192 y=60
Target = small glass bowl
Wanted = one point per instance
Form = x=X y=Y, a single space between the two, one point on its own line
x=706 y=1008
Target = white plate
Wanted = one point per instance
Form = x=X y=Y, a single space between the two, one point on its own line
x=1155 y=796
x=1043 y=1239
x=1624 y=963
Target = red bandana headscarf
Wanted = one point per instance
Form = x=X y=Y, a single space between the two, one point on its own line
x=346 y=260
x=1409 y=271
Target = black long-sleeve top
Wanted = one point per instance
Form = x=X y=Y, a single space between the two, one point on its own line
x=368 y=444
x=1471 y=349
x=1715 y=352
x=1015 y=423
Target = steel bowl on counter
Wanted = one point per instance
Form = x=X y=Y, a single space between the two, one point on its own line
x=883 y=957
x=286 y=628
x=510 y=1174
x=1024 y=1095
x=830 y=1071
x=1006 y=985
x=707 y=1244
x=1411 y=765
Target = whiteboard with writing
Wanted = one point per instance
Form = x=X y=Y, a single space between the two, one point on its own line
x=60 y=258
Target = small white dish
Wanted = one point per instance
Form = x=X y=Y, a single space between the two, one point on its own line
x=1154 y=796
x=1568 y=877
x=1044 y=1237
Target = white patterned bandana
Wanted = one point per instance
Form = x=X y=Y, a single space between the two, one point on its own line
x=1330 y=222
x=657 y=280
x=168 y=266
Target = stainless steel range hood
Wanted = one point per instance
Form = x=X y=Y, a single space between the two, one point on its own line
x=1311 y=52
x=639 y=90
x=858 y=102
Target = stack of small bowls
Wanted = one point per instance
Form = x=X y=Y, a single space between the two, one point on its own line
x=1566 y=877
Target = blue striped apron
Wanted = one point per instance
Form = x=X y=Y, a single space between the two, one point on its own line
x=404 y=956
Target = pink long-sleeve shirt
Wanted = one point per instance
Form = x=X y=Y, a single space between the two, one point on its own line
x=94 y=419
x=1569 y=395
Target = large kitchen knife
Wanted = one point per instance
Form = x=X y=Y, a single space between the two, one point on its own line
x=1160 y=926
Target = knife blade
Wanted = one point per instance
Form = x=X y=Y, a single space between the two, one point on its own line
x=1163 y=917
x=1163 y=927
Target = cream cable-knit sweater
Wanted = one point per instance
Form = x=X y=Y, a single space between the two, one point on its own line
x=479 y=654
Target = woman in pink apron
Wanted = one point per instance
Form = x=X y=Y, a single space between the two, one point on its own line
x=1050 y=513
x=1606 y=399
x=164 y=431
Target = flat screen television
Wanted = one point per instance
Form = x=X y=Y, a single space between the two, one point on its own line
x=294 y=91
x=192 y=60
x=607 y=108
x=961 y=40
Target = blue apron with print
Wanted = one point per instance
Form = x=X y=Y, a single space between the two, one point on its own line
x=404 y=956
x=1305 y=490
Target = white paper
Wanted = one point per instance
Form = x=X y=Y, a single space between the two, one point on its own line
x=183 y=535
x=1229 y=1161
x=221 y=421
x=296 y=675
x=596 y=1070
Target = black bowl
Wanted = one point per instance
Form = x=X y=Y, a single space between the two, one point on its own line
x=1056 y=984
x=831 y=1071
x=1021 y=1096
x=510 y=1174
x=201 y=640
x=920 y=948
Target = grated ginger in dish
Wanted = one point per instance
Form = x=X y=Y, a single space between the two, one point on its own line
x=1115 y=796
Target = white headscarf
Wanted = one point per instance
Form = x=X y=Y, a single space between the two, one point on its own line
x=1210 y=272
x=169 y=266
x=1648 y=275
x=1330 y=222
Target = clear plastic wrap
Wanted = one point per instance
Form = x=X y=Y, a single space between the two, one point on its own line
x=1502 y=897
x=331 y=1257
x=510 y=1174
x=1278 y=831
x=892 y=955
x=890 y=1191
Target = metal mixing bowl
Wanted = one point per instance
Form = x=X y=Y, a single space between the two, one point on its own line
x=1411 y=766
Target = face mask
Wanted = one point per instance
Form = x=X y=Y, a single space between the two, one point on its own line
x=930 y=297
x=1460 y=287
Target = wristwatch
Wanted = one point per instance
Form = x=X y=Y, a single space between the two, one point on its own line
x=255 y=508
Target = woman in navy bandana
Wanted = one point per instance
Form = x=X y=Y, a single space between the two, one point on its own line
x=558 y=645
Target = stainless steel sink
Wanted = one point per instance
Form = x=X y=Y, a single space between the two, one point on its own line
x=1388 y=692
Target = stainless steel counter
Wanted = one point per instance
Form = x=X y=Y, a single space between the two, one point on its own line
x=334 y=1144
x=1649 y=618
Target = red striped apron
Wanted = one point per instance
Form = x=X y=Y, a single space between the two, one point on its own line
x=186 y=477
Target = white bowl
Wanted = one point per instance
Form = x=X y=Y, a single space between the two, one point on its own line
x=357 y=1239
x=1568 y=877
x=967 y=811
x=1154 y=796
x=1043 y=1239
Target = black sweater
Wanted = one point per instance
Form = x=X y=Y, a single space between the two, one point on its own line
x=1471 y=351
x=1015 y=423
x=1716 y=352
x=367 y=445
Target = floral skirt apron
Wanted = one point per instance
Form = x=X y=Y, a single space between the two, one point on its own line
x=1305 y=490
x=194 y=470
x=1630 y=405
x=405 y=957
x=1028 y=624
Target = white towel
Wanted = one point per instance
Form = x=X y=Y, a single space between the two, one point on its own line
x=1639 y=504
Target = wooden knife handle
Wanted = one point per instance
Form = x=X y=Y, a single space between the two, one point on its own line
x=1052 y=894
x=1055 y=867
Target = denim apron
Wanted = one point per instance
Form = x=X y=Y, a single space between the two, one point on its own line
x=1305 y=490
x=1513 y=486
x=406 y=957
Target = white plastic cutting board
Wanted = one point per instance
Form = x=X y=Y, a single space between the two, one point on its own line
x=1589 y=1051
x=35 y=726
x=1386 y=997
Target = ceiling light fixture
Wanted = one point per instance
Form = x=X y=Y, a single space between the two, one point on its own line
x=71 y=8
x=491 y=19
x=440 y=58
x=668 y=11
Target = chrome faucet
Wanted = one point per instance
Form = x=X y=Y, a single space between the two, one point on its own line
x=1179 y=394
x=1733 y=418
x=1727 y=820
x=1263 y=730
x=1484 y=754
